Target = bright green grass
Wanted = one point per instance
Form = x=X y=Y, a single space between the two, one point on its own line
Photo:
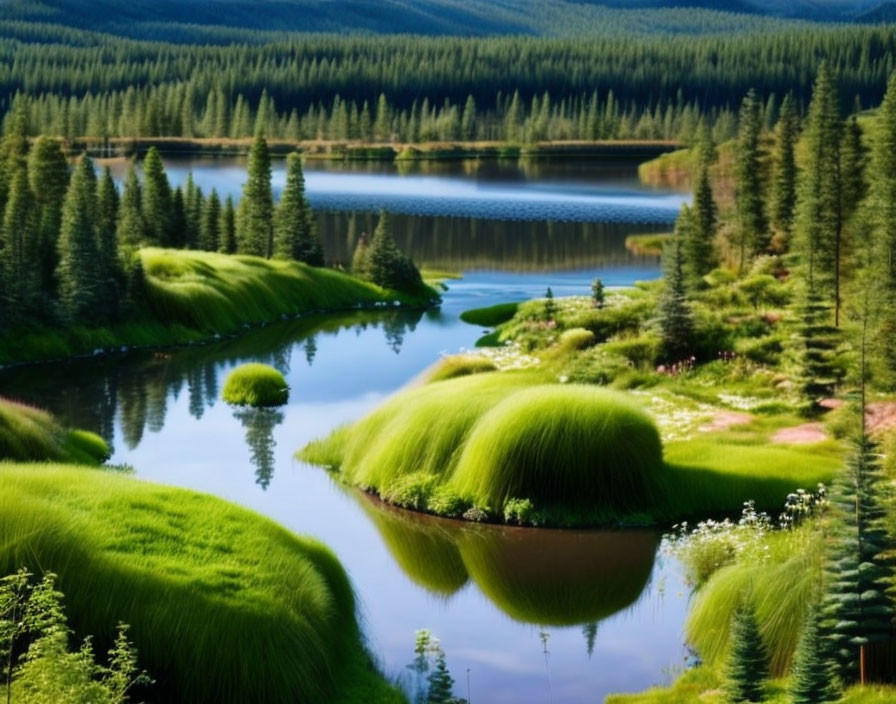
x=699 y=685
x=224 y=605
x=460 y=365
x=28 y=434
x=193 y=296
x=651 y=244
x=491 y=316
x=582 y=455
x=255 y=384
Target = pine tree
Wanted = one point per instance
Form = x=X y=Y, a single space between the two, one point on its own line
x=20 y=272
x=108 y=261
x=785 y=180
x=598 y=295
x=210 y=228
x=295 y=235
x=13 y=146
x=361 y=257
x=441 y=684
x=228 y=242
x=751 y=228
x=48 y=173
x=388 y=267
x=157 y=202
x=77 y=273
x=193 y=205
x=853 y=158
x=818 y=218
x=676 y=322
x=255 y=219
x=178 y=219
x=131 y=227
x=748 y=666
x=818 y=341
x=468 y=120
x=813 y=674
x=383 y=128
x=856 y=609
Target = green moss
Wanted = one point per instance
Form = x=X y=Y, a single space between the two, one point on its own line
x=225 y=606
x=29 y=434
x=491 y=316
x=255 y=385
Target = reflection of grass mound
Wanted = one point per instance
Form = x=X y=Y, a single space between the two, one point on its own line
x=225 y=606
x=548 y=577
x=568 y=445
x=493 y=437
x=255 y=385
x=28 y=434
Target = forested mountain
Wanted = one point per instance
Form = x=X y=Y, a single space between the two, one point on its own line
x=184 y=20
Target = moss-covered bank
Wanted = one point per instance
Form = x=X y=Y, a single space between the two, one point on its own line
x=196 y=296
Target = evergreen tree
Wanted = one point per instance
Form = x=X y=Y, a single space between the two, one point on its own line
x=228 y=242
x=818 y=341
x=210 y=229
x=597 y=293
x=255 y=219
x=441 y=684
x=259 y=424
x=108 y=261
x=853 y=158
x=818 y=218
x=751 y=227
x=748 y=665
x=813 y=675
x=77 y=273
x=388 y=267
x=361 y=257
x=589 y=630
x=48 y=173
x=193 y=205
x=468 y=120
x=131 y=227
x=13 y=147
x=20 y=274
x=157 y=201
x=178 y=219
x=785 y=180
x=295 y=235
x=676 y=322
x=856 y=608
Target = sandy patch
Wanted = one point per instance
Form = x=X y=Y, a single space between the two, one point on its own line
x=806 y=434
x=725 y=420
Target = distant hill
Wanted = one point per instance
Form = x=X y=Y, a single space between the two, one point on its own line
x=188 y=20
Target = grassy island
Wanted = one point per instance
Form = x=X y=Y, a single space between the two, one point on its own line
x=255 y=385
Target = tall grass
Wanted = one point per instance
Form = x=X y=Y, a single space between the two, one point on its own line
x=225 y=606
x=29 y=434
x=255 y=384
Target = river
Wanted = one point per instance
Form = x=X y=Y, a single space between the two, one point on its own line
x=524 y=615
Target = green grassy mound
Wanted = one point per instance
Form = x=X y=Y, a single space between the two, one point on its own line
x=255 y=385
x=29 y=434
x=491 y=316
x=225 y=606
x=460 y=365
x=545 y=577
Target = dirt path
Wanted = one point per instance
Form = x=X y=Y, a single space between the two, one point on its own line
x=805 y=434
x=724 y=420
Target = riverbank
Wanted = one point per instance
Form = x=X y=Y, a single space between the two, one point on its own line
x=379 y=151
x=193 y=297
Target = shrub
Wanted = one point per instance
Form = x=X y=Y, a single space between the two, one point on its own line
x=410 y=491
x=576 y=339
x=445 y=501
x=642 y=351
x=519 y=511
x=255 y=385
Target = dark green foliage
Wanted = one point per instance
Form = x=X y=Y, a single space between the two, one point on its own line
x=20 y=273
x=260 y=424
x=701 y=231
x=295 y=235
x=79 y=280
x=108 y=262
x=853 y=160
x=856 y=609
x=157 y=201
x=193 y=205
x=210 y=226
x=441 y=684
x=177 y=221
x=550 y=308
x=228 y=243
x=48 y=173
x=386 y=266
x=818 y=340
x=597 y=293
x=255 y=218
x=784 y=193
x=131 y=226
x=748 y=665
x=813 y=674
x=751 y=228
x=676 y=319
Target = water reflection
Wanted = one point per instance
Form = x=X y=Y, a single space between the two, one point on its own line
x=543 y=577
x=259 y=424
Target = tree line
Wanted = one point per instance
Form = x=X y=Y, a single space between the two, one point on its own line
x=412 y=88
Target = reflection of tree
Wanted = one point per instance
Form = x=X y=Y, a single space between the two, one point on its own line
x=394 y=328
x=195 y=383
x=259 y=424
x=156 y=402
x=310 y=349
x=589 y=630
x=132 y=398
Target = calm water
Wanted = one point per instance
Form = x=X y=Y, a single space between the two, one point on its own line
x=533 y=616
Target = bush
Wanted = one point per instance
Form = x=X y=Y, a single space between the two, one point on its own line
x=255 y=385
x=642 y=351
x=519 y=511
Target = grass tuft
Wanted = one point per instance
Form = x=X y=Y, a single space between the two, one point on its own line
x=491 y=316
x=255 y=385
x=29 y=434
x=460 y=365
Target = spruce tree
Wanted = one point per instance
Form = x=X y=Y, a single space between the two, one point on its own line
x=818 y=340
x=813 y=674
x=295 y=235
x=19 y=265
x=700 y=242
x=676 y=322
x=853 y=160
x=210 y=227
x=108 y=261
x=77 y=272
x=441 y=684
x=856 y=609
x=131 y=227
x=785 y=179
x=361 y=257
x=193 y=205
x=748 y=664
x=48 y=173
x=158 y=202
x=388 y=267
x=818 y=222
x=751 y=228
x=255 y=219
x=228 y=242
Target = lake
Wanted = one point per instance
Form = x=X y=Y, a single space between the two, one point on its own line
x=524 y=615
